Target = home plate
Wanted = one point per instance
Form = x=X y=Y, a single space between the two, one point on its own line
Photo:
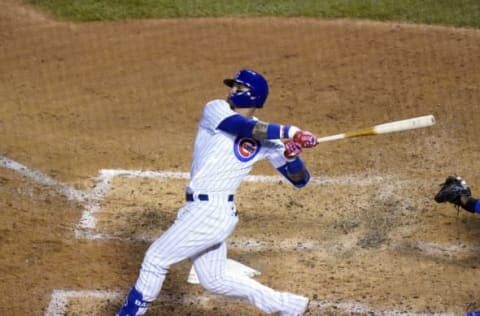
x=233 y=268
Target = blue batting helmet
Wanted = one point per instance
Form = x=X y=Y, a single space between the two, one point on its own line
x=257 y=89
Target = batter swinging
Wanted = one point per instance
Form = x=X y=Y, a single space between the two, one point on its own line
x=228 y=144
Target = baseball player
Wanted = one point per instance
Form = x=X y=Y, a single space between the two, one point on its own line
x=456 y=191
x=229 y=141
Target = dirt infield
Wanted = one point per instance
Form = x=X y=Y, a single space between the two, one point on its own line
x=79 y=99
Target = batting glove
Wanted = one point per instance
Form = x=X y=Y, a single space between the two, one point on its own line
x=292 y=150
x=305 y=139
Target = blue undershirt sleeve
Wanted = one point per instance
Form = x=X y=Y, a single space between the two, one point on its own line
x=237 y=125
x=471 y=205
x=273 y=131
x=242 y=126
x=294 y=167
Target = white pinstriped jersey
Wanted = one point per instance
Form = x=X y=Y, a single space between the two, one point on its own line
x=221 y=160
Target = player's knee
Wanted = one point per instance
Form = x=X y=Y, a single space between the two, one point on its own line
x=214 y=284
x=154 y=263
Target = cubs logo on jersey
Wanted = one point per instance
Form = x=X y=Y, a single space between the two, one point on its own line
x=245 y=148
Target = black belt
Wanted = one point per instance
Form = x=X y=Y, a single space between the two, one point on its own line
x=204 y=197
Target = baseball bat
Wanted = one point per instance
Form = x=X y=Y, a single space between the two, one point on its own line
x=389 y=127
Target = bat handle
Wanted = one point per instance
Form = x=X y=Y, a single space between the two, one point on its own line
x=330 y=138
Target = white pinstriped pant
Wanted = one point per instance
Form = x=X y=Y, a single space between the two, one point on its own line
x=199 y=233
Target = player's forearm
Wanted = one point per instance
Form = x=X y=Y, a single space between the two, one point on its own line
x=470 y=204
x=264 y=130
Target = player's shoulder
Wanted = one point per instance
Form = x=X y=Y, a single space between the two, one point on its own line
x=217 y=104
x=217 y=107
x=214 y=112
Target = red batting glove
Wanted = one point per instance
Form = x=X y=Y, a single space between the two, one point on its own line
x=292 y=150
x=305 y=139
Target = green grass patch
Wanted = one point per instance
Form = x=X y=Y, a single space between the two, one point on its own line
x=465 y=13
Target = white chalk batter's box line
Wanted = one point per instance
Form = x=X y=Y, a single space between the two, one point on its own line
x=60 y=298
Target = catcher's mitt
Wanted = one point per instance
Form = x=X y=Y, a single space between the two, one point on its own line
x=452 y=190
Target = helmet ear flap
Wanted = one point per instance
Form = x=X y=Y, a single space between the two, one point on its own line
x=257 y=93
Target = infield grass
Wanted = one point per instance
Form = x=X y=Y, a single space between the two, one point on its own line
x=465 y=13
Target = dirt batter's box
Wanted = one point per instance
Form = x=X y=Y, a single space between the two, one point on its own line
x=139 y=205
